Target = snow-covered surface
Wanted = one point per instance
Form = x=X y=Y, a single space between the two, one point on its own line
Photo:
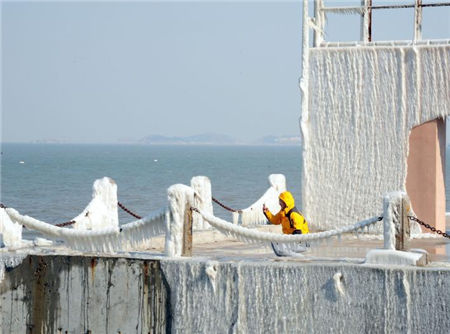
x=179 y=197
x=390 y=257
x=359 y=106
x=10 y=232
x=102 y=211
x=202 y=187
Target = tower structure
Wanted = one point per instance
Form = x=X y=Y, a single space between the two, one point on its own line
x=372 y=119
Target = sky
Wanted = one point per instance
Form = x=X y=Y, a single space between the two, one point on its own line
x=94 y=72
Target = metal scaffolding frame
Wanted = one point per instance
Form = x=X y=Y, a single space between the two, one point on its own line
x=365 y=10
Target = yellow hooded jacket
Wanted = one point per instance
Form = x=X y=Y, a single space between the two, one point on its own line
x=296 y=222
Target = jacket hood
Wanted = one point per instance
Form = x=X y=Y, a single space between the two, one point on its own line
x=288 y=199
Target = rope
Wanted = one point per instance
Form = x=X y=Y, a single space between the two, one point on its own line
x=224 y=206
x=69 y=223
x=59 y=225
x=248 y=235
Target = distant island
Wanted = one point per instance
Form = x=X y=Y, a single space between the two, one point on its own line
x=202 y=139
x=199 y=139
x=212 y=139
x=49 y=141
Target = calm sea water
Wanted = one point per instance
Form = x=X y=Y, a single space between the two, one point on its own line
x=54 y=184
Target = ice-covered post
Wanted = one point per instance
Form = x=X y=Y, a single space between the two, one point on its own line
x=102 y=210
x=180 y=198
x=397 y=231
x=10 y=232
x=278 y=182
x=186 y=249
x=203 y=202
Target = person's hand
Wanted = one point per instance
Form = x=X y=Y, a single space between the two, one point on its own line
x=265 y=209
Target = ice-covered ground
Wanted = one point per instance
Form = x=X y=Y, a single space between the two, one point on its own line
x=214 y=245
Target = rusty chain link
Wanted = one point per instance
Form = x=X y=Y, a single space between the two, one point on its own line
x=128 y=211
x=66 y=223
x=224 y=206
x=432 y=228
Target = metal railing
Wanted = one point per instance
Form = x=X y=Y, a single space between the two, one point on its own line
x=365 y=10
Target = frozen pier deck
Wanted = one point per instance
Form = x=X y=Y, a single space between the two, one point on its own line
x=227 y=287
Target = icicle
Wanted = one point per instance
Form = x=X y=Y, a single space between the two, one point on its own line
x=235 y=216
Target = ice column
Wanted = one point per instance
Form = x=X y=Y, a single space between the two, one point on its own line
x=10 y=232
x=203 y=202
x=180 y=197
x=278 y=182
x=102 y=211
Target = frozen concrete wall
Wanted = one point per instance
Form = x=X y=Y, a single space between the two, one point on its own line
x=59 y=294
x=73 y=294
x=362 y=103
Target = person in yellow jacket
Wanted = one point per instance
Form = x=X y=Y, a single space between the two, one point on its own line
x=289 y=217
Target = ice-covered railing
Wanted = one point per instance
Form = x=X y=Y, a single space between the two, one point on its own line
x=96 y=229
x=131 y=236
x=318 y=23
x=266 y=238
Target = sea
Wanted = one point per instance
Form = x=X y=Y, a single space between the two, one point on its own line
x=53 y=182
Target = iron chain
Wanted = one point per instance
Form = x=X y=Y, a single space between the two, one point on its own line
x=128 y=211
x=66 y=223
x=432 y=228
x=224 y=206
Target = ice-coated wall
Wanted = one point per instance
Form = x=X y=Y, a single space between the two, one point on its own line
x=55 y=294
x=362 y=103
x=74 y=294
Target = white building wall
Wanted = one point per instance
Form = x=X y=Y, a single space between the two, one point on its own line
x=362 y=104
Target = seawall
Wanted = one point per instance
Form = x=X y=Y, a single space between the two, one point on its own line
x=85 y=294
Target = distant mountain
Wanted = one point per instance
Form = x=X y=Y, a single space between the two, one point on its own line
x=279 y=140
x=201 y=139
x=49 y=141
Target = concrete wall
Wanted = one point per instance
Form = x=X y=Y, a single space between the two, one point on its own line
x=59 y=294
x=63 y=294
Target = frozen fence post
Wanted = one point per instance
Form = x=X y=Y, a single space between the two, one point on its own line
x=187 y=232
x=102 y=210
x=278 y=182
x=180 y=198
x=203 y=202
x=10 y=232
x=397 y=232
